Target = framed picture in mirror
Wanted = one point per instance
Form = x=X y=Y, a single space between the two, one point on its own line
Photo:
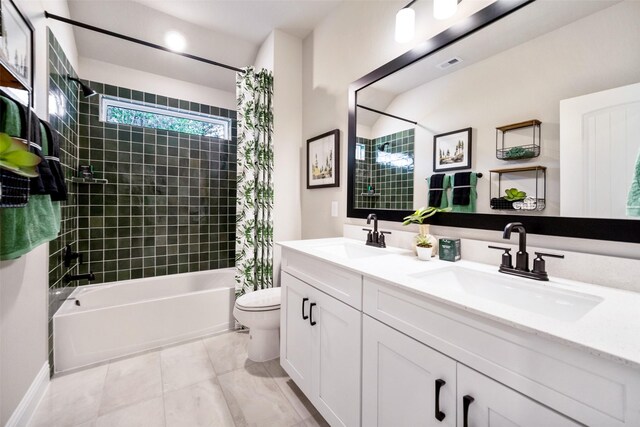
x=452 y=150
x=323 y=160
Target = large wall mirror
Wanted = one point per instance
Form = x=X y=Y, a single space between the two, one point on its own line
x=527 y=110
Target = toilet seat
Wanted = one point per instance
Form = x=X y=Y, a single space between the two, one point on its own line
x=261 y=300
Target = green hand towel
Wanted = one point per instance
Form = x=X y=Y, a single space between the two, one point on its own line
x=10 y=121
x=473 y=196
x=23 y=229
x=633 y=200
x=446 y=183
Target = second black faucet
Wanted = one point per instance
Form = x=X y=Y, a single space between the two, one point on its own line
x=375 y=237
x=522 y=257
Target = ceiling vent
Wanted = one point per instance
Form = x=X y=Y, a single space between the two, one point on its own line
x=449 y=63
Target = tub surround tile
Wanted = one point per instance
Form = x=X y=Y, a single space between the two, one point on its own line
x=255 y=399
x=201 y=404
x=228 y=352
x=149 y=413
x=185 y=365
x=147 y=169
x=132 y=380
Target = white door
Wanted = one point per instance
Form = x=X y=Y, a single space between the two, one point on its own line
x=599 y=146
x=336 y=354
x=404 y=382
x=295 y=331
x=483 y=402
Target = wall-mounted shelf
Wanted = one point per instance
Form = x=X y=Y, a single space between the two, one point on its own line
x=77 y=180
x=370 y=194
x=518 y=152
x=537 y=202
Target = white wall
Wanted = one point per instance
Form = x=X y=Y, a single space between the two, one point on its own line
x=103 y=72
x=24 y=282
x=282 y=54
x=349 y=43
x=355 y=39
x=508 y=88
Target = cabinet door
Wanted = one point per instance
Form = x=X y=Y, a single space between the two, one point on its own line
x=484 y=402
x=336 y=360
x=399 y=380
x=295 y=331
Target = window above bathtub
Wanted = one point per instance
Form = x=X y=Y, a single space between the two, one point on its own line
x=122 y=111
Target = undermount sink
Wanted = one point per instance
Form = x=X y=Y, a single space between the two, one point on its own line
x=534 y=297
x=351 y=250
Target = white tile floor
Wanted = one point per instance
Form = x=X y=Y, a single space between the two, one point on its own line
x=208 y=382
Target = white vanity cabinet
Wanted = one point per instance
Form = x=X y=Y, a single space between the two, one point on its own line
x=514 y=377
x=406 y=383
x=320 y=345
x=483 y=402
x=372 y=352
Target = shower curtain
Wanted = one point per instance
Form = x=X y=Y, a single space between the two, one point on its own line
x=254 y=205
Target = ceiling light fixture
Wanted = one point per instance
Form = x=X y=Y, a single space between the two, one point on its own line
x=405 y=24
x=175 y=41
x=406 y=17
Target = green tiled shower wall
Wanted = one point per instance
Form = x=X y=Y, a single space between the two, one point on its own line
x=64 y=95
x=169 y=205
x=390 y=172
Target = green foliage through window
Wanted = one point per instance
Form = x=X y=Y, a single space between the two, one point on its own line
x=128 y=116
x=121 y=111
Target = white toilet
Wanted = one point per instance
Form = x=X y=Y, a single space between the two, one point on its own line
x=260 y=312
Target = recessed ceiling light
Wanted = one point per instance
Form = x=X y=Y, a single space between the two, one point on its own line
x=175 y=41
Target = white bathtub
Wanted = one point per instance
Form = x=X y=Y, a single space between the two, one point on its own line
x=118 y=319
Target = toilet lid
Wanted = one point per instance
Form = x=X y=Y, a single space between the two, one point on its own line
x=264 y=299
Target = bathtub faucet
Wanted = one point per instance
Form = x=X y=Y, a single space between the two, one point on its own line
x=72 y=278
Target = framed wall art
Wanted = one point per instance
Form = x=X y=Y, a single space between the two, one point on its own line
x=323 y=160
x=16 y=46
x=452 y=150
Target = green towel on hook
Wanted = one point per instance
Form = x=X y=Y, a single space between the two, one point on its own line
x=57 y=210
x=10 y=122
x=446 y=183
x=633 y=200
x=23 y=229
x=473 y=196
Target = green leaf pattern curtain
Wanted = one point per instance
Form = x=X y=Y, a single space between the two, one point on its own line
x=254 y=224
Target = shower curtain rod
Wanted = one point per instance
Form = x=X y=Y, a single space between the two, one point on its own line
x=386 y=114
x=138 y=41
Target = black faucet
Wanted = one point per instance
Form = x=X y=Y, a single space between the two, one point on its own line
x=375 y=237
x=72 y=278
x=69 y=256
x=522 y=257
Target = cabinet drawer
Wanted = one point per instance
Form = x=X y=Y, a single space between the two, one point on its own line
x=589 y=389
x=340 y=283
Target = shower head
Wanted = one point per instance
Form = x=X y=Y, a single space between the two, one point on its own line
x=86 y=90
x=383 y=147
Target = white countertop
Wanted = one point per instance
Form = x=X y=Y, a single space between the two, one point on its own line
x=611 y=329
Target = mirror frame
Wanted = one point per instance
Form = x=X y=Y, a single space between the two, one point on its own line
x=620 y=230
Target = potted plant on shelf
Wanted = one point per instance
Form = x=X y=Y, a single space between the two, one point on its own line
x=418 y=217
x=424 y=247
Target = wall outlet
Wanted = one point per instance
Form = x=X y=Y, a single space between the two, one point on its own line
x=334 y=208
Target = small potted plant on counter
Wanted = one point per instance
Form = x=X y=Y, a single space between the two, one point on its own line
x=424 y=247
x=418 y=217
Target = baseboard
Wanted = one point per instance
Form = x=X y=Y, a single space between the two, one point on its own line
x=31 y=399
